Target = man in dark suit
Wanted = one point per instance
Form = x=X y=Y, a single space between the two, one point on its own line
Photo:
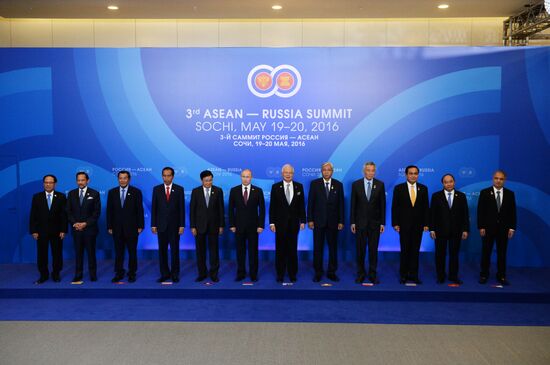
x=368 y=218
x=48 y=226
x=246 y=220
x=125 y=222
x=168 y=222
x=325 y=216
x=449 y=224
x=83 y=210
x=287 y=216
x=206 y=218
x=496 y=221
x=410 y=216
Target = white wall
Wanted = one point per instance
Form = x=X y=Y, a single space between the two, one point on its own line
x=250 y=33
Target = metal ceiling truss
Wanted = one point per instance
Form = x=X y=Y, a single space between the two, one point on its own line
x=519 y=29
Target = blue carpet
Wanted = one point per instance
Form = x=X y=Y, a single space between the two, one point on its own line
x=525 y=302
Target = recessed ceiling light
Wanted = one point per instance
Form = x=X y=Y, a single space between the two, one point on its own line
x=112 y=7
x=443 y=6
x=276 y=7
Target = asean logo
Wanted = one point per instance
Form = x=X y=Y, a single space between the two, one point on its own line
x=265 y=81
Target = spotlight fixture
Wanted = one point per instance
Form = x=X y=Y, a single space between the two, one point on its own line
x=112 y=7
x=443 y=6
x=276 y=7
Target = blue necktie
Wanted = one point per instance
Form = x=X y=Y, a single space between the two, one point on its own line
x=327 y=189
x=122 y=197
x=449 y=200
x=369 y=190
x=207 y=196
x=81 y=197
x=49 y=201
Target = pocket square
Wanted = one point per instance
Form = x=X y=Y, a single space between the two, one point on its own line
x=90 y=197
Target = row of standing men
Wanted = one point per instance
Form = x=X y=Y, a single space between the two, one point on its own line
x=447 y=219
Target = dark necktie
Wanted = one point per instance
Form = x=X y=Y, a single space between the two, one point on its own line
x=327 y=189
x=499 y=202
x=81 y=196
x=122 y=197
x=245 y=195
x=167 y=193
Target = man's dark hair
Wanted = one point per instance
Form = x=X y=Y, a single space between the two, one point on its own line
x=49 y=175
x=125 y=172
x=168 y=168
x=206 y=173
x=411 y=167
x=83 y=173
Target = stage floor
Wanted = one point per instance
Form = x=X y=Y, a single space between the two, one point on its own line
x=526 y=301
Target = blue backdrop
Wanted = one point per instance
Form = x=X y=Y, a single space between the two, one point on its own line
x=466 y=111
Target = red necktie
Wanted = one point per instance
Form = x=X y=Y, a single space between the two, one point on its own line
x=245 y=195
x=167 y=193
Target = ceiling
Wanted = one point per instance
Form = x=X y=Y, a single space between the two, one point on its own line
x=258 y=9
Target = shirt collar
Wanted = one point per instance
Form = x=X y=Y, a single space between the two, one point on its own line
x=365 y=180
x=411 y=185
x=495 y=189
x=329 y=181
x=168 y=186
x=447 y=192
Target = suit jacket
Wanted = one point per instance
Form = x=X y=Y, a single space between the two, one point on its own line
x=125 y=220
x=368 y=213
x=325 y=212
x=449 y=222
x=47 y=222
x=250 y=216
x=207 y=219
x=168 y=214
x=489 y=218
x=282 y=214
x=89 y=211
x=403 y=214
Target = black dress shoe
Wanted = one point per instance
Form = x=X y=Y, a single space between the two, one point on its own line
x=440 y=280
x=374 y=280
x=482 y=280
x=93 y=277
x=56 y=278
x=279 y=279
x=293 y=279
x=175 y=279
x=254 y=278
x=456 y=281
x=317 y=278
x=41 y=280
x=117 y=278
x=162 y=279
x=417 y=281
x=503 y=282
x=131 y=278
x=402 y=280
x=200 y=278
x=239 y=278
x=333 y=277
x=360 y=279
x=215 y=278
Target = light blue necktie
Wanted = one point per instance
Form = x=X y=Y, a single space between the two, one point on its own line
x=122 y=197
x=207 y=196
x=369 y=190
x=49 y=201
x=449 y=200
